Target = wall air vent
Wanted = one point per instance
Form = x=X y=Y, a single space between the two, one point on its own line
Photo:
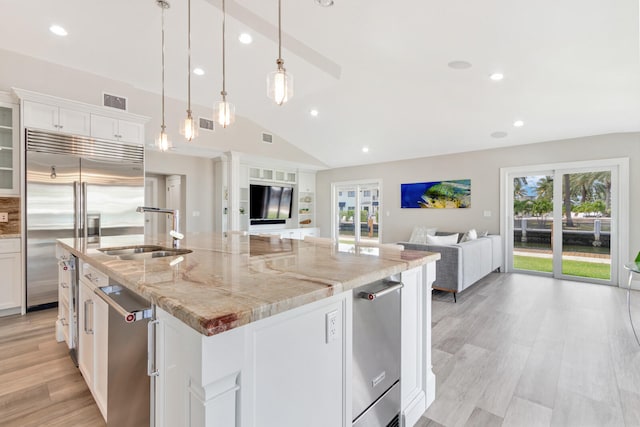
x=114 y=101
x=206 y=124
x=267 y=138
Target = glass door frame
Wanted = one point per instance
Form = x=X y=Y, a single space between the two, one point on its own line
x=335 y=212
x=509 y=239
x=619 y=200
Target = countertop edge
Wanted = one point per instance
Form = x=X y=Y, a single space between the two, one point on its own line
x=225 y=322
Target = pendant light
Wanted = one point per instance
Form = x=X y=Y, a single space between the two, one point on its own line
x=279 y=82
x=224 y=112
x=163 y=141
x=188 y=127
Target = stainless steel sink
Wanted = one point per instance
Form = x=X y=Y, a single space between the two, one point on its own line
x=143 y=251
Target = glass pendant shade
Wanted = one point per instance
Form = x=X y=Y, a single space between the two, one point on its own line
x=189 y=129
x=162 y=142
x=224 y=113
x=280 y=86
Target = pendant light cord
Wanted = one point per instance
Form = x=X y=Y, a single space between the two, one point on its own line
x=224 y=74
x=279 y=31
x=162 y=6
x=189 y=59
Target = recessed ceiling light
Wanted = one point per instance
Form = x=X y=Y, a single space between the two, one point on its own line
x=365 y=149
x=459 y=65
x=499 y=134
x=496 y=77
x=518 y=123
x=198 y=71
x=245 y=38
x=58 y=30
x=324 y=3
x=314 y=112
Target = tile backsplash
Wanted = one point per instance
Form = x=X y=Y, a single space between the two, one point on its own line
x=10 y=205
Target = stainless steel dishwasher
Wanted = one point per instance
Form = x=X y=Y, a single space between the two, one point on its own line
x=376 y=354
x=128 y=384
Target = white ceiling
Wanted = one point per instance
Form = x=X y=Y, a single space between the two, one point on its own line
x=376 y=70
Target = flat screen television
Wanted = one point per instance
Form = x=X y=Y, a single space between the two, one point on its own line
x=270 y=203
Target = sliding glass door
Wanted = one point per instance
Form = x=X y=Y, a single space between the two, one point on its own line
x=356 y=214
x=562 y=223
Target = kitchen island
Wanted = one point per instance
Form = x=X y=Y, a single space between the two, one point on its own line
x=257 y=331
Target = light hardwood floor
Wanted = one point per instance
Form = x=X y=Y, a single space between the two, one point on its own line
x=520 y=350
x=515 y=350
x=39 y=384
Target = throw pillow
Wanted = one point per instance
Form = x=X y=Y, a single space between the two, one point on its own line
x=420 y=233
x=469 y=235
x=450 y=239
x=484 y=233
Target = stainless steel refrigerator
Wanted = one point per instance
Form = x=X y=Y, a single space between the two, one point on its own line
x=76 y=187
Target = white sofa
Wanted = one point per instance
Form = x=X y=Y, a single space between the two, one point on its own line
x=463 y=264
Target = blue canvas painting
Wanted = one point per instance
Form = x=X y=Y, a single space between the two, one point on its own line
x=436 y=195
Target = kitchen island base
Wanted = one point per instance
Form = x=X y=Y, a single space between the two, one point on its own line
x=289 y=369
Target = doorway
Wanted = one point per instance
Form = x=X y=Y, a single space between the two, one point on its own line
x=567 y=221
x=164 y=191
x=356 y=218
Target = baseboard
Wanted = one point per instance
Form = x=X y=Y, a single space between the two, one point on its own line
x=414 y=411
x=9 y=311
x=431 y=388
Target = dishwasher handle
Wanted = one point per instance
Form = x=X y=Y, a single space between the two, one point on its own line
x=129 y=316
x=370 y=296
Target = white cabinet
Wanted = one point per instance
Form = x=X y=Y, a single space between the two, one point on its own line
x=9 y=147
x=121 y=130
x=53 y=117
x=273 y=175
x=93 y=331
x=279 y=371
x=10 y=296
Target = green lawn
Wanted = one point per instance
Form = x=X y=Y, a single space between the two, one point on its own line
x=569 y=267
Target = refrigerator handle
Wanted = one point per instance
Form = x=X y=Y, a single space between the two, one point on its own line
x=85 y=228
x=77 y=202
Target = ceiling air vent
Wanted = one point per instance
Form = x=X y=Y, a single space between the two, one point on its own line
x=114 y=101
x=206 y=124
x=267 y=138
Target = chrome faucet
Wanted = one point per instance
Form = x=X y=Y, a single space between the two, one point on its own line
x=175 y=214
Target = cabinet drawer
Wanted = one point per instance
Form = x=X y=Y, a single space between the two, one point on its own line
x=8 y=246
x=90 y=274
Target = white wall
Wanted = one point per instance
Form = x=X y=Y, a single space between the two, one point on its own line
x=198 y=172
x=483 y=168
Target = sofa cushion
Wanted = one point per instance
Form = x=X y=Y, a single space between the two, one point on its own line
x=451 y=239
x=469 y=235
x=420 y=233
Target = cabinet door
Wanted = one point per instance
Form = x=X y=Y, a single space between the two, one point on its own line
x=41 y=116
x=86 y=316
x=103 y=127
x=74 y=122
x=9 y=149
x=10 y=283
x=130 y=132
x=100 y=351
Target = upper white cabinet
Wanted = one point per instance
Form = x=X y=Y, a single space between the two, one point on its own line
x=53 y=117
x=9 y=147
x=267 y=174
x=121 y=130
x=48 y=112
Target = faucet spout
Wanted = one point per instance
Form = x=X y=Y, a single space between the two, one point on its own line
x=175 y=215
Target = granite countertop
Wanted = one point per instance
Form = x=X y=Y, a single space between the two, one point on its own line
x=229 y=281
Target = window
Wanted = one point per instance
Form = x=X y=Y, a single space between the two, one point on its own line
x=351 y=194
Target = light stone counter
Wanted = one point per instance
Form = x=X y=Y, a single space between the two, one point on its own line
x=230 y=281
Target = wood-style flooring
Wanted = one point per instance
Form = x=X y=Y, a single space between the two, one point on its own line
x=520 y=350
x=39 y=384
x=516 y=350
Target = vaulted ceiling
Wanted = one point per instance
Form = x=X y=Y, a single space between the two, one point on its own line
x=377 y=72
